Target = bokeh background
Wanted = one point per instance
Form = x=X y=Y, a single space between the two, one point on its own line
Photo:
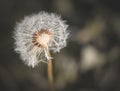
x=90 y=62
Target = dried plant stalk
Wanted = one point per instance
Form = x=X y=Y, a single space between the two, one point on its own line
x=50 y=71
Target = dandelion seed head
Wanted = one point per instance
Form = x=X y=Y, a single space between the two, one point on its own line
x=37 y=32
x=41 y=38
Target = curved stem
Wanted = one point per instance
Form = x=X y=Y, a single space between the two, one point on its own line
x=50 y=71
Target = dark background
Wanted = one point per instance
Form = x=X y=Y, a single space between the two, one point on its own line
x=90 y=62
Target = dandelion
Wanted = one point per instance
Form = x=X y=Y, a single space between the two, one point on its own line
x=37 y=33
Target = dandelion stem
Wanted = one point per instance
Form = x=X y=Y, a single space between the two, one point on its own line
x=50 y=71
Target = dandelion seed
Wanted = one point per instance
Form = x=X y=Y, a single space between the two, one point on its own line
x=38 y=32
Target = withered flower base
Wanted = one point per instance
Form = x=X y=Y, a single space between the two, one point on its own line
x=42 y=38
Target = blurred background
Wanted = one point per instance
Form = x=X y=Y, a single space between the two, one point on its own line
x=90 y=62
